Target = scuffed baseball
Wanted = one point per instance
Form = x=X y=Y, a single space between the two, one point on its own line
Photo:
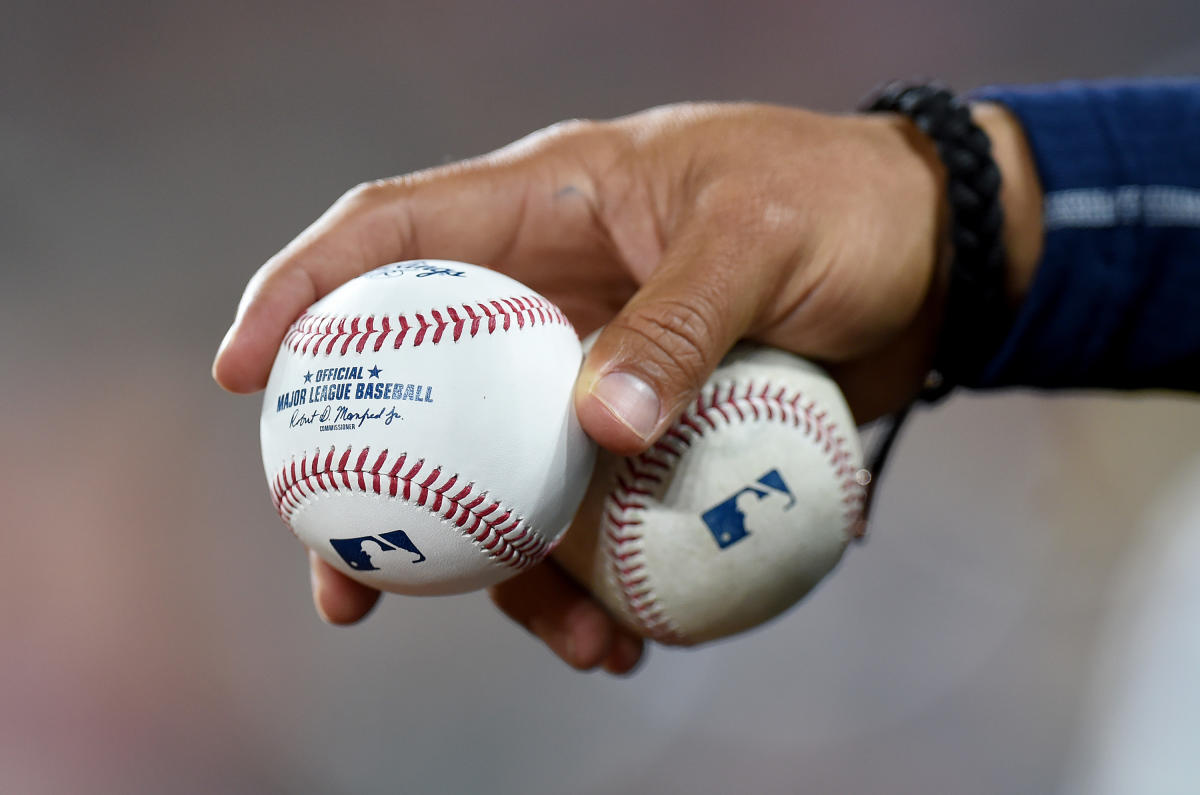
x=418 y=430
x=746 y=503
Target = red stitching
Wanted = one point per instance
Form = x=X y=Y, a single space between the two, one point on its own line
x=317 y=334
x=622 y=536
x=506 y=537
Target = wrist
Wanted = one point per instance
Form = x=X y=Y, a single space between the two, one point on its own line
x=990 y=174
x=1020 y=196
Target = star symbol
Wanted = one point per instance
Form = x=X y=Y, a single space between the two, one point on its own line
x=374 y=371
x=307 y=377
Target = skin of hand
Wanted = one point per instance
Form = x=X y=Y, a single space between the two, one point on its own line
x=682 y=229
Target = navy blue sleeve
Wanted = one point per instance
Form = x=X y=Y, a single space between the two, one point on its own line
x=1115 y=301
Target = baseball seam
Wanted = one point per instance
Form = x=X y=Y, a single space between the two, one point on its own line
x=329 y=334
x=496 y=529
x=719 y=405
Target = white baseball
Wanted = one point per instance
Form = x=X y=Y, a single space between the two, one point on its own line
x=418 y=429
x=745 y=504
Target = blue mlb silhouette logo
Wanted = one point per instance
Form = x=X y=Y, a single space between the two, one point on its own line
x=363 y=553
x=733 y=519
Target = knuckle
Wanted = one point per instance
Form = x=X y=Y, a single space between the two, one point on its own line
x=567 y=129
x=566 y=133
x=367 y=194
x=373 y=193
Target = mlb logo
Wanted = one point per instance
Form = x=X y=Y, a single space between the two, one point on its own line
x=735 y=518
x=364 y=552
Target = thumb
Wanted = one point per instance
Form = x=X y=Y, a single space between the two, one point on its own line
x=653 y=357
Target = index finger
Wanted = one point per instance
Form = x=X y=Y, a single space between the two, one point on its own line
x=471 y=211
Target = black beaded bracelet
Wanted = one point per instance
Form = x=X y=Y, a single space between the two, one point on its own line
x=976 y=315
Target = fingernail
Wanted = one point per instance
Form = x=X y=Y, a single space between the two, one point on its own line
x=631 y=400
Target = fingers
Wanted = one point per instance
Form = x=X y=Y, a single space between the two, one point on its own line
x=364 y=228
x=544 y=601
x=339 y=599
x=650 y=360
x=472 y=211
x=564 y=617
x=369 y=226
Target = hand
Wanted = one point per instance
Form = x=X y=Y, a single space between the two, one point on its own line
x=684 y=229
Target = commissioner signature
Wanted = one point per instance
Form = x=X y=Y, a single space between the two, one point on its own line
x=343 y=417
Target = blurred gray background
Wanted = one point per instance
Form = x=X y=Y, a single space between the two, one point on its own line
x=1021 y=619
